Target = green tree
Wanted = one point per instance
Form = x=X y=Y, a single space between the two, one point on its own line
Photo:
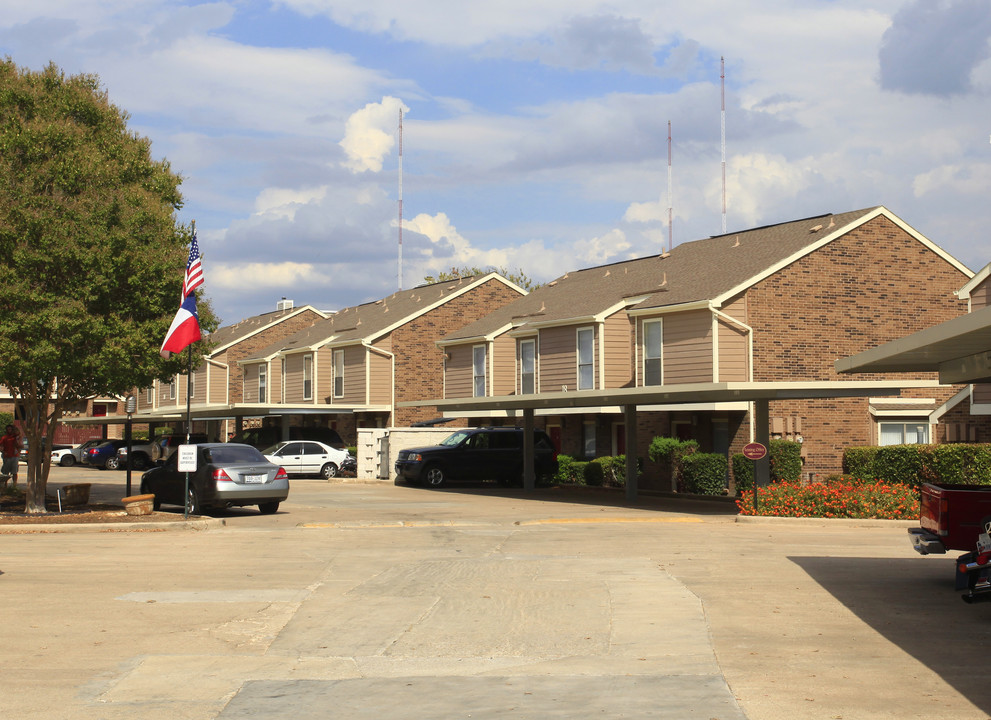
x=519 y=277
x=91 y=253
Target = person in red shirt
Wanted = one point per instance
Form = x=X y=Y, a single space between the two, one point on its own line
x=10 y=450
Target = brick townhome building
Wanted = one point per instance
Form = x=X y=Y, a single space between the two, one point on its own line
x=353 y=368
x=775 y=304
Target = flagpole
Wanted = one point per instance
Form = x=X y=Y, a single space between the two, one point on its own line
x=189 y=420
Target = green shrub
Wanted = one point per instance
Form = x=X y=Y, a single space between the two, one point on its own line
x=743 y=472
x=705 y=473
x=672 y=452
x=961 y=463
x=786 y=460
x=859 y=461
x=570 y=471
x=593 y=473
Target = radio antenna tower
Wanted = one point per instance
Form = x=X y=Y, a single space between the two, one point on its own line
x=400 y=268
x=670 y=205
x=722 y=129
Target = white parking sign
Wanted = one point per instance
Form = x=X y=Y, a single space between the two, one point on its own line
x=187 y=458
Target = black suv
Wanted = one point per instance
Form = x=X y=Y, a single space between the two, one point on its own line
x=490 y=453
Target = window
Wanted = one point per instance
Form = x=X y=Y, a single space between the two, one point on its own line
x=907 y=433
x=652 y=353
x=338 y=373
x=478 y=370
x=528 y=353
x=307 y=377
x=192 y=385
x=151 y=394
x=586 y=359
x=588 y=438
x=262 y=383
x=172 y=388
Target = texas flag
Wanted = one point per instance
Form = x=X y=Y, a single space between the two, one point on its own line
x=185 y=328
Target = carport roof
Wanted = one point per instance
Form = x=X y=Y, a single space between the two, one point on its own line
x=959 y=350
x=679 y=394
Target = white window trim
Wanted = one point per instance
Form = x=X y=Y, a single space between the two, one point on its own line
x=173 y=385
x=578 y=352
x=643 y=351
x=262 y=383
x=527 y=341
x=308 y=362
x=338 y=372
x=485 y=371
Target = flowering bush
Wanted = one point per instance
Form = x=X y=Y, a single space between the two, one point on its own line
x=837 y=499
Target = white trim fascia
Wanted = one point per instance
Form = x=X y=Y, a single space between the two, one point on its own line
x=668 y=309
x=878 y=401
x=979 y=277
x=488 y=337
x=442 y=301
x=598 y=317
x=697 y=407
x=826 y=239
x=938 y=413
x=266 y=326
x=262 y=359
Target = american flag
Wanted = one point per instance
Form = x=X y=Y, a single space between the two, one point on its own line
x=194 y=271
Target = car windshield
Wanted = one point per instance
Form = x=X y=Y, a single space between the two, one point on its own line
x=274 y=448
x=454 y=439
x=231 y=454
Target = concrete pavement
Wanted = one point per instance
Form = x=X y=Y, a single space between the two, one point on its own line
x=371 y=601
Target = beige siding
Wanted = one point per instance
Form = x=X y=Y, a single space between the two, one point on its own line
x=687 y=351
x=251 y=383
x=734 y=343
x=503 y=380
x=323 y=365
x=293 y=379
x=380 y=377
x=457 y=372
x=217 y=386
x=982 y=393
x=354 y=376
x=618 y=339
x=558 y=353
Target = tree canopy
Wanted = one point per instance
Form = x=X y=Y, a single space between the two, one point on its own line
x=91 y=252
x=518 y=277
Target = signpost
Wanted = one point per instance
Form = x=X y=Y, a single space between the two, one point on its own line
x=755 y=451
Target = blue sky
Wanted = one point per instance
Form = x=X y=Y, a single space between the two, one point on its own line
x=535 y=132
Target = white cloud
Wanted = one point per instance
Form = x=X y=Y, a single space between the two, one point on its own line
x=265 y=275
x=370 y=134
x=284 y=203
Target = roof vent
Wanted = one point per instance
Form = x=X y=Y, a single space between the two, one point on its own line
x=284 y=304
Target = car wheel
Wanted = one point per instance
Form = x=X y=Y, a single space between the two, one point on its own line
x=67 y=461
x=193 y=502
x=328 y=471
x=112 y=463
x=434 y=475
x=268 y=508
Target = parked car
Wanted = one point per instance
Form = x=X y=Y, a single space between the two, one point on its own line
x=147 y=454
x=491 y=453
x=307 y=457
x=227 y=475
x=68 y=458
x=266 y=437
x=103 y=455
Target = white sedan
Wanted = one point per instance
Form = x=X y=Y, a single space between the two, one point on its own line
x=307 y=457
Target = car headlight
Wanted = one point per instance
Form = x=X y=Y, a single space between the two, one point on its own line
x=415 y=457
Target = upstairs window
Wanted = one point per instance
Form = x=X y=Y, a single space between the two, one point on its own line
x=338 y=373
x=652 y=353
x=586 y=359
x=262 y=383
x=307 y=377
x=528 y=361
x=478 y=370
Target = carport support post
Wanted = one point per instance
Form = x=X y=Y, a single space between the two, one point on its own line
x=762 y=430
x=630 y=419
x=529 y=477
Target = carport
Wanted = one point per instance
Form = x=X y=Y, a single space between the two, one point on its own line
x=629 y=400
x=958 y=349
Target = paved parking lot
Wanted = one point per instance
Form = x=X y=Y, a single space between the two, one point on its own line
x=373 y=600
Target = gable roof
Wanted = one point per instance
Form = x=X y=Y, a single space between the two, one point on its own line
x=370 y=321
x=703 y=272
x=224 y=337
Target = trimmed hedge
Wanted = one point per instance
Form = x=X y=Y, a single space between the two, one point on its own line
x=608 y=471
x=743 y=473
x=786 y=465
x=704 y=473
x=913 y=465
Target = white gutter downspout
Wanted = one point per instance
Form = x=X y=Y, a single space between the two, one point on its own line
x=392 y=378
x=601 y=325
x=750 y=360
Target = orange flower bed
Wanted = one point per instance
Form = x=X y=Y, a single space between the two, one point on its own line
x=836 y=499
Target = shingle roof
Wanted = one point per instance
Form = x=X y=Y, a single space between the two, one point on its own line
x=373 y=319
x=229 y=334
x=692 y=272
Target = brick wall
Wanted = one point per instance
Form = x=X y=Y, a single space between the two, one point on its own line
x=420 y=363
x=873 y=285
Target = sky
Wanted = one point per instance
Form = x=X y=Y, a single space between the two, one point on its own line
x=535 y=133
